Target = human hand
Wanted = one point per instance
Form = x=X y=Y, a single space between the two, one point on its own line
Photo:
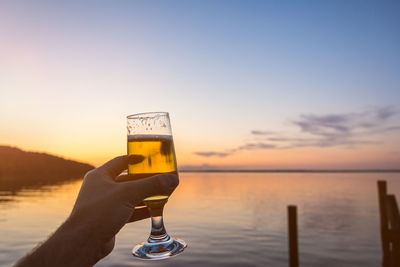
x=102 y=208
x=105 y=205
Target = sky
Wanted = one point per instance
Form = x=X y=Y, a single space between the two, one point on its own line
x=248 y=84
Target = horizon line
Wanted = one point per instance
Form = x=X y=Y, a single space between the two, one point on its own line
x=297 y=170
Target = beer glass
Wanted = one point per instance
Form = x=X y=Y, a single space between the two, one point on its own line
x=150 y=138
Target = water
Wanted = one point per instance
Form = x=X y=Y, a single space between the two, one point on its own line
x=227 y=219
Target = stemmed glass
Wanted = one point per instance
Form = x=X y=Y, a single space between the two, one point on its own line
x=150 y=136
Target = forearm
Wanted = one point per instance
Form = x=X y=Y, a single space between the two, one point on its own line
x=70 y=245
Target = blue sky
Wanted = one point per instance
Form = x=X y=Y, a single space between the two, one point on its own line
x=221 y=68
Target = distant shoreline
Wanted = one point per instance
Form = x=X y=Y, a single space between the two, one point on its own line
x=299 y=171
x=22 y=169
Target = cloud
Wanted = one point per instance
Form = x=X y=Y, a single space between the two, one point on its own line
x=343 y=129
x=344 y=124
x=349 y=129
x=386 y=112
x=329 y=130
x=250 y=146
x=212 y=154
x=255 y=132
x=392 y=128
x=247 y=146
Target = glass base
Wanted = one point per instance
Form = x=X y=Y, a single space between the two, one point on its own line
x=159 y=250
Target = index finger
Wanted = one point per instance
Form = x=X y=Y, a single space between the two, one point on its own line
x=115 y=166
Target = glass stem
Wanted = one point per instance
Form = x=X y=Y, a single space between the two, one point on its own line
x=158 y=232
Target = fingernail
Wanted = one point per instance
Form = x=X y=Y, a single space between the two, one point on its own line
x=135 y=159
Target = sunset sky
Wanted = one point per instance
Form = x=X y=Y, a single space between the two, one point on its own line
x=248 y=84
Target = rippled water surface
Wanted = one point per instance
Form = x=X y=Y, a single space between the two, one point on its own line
x=227 y=219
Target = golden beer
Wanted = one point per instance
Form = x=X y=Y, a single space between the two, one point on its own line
x=156 y=154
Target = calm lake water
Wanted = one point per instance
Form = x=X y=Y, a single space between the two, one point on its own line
x=227 y=219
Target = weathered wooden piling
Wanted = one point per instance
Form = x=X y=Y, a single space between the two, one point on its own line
x=293 y=244
x=390 y=227
x=382 y=189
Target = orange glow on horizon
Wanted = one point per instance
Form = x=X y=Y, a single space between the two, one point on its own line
x=311 y=158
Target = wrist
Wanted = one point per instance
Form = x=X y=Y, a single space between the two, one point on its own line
x=79 y=243
x=70 y=245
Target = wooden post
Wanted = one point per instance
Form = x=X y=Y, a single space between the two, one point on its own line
x=293 y=244
x=394 y=230
x=382 y=190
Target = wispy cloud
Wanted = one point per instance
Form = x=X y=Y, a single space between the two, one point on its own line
x=250 y=146
x=213 y=154
x=247 y=146
x=343 y=129
x=349 y=129
x=256 y=132
x=344 y=124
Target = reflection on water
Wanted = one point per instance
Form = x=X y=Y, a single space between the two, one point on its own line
x=228 y=219
x=12 y=187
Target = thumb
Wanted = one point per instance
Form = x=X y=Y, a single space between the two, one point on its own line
x=161 y=184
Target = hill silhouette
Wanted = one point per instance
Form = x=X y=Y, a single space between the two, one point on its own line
x=20 y=168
